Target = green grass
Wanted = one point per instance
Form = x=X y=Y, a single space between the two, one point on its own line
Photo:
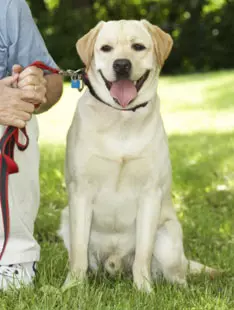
x=199 y=117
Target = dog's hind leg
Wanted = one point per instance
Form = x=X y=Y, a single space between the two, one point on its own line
x=168 y=256
x=169 y=259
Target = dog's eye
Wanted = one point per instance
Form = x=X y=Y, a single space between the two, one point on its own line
x=138 y=47
x=106 y=48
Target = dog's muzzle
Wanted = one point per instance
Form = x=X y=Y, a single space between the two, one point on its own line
x=123 y=90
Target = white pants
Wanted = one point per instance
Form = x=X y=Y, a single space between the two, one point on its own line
x=24 y=199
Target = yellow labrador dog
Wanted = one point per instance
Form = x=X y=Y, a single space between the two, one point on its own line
x=118 y=170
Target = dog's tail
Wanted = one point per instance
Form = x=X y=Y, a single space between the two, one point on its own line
x=113 y=264
x=196 y=268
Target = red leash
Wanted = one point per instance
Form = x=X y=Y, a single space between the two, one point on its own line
x=8 y=166
x=41 y=65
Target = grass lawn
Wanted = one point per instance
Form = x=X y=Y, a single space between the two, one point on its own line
x=198 y=111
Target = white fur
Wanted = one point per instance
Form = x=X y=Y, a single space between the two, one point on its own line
x=118 y=176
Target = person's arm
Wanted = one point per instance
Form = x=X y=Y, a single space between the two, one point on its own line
x=15 y=104
x=33 y=78
x=54 y=91
x=26 y=46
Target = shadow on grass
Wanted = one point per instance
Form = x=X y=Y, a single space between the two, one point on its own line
x=203 y=191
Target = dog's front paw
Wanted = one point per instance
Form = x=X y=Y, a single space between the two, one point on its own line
x=78 y=276
x=142 y=280
x=78 y=268
x=74 y=279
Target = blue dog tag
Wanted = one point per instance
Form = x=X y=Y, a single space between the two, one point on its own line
x=75 y=84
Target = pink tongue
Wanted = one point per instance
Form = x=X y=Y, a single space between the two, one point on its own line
x=124 y=91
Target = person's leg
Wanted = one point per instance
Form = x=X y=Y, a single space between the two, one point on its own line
x=24 y=198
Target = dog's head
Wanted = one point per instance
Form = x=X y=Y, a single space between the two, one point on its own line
x=123 y=60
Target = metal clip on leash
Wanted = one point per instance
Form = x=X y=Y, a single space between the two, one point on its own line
x=75 y=76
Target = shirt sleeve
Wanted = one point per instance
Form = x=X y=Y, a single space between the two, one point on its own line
x=25 y=43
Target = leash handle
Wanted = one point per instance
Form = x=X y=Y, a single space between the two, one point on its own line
x=8 y=166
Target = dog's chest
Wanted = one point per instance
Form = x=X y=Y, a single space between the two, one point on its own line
x=117 y=160
x=117 y=186
x=115 y=135
x=121 y=143
x=115 y=203
x=122 y=177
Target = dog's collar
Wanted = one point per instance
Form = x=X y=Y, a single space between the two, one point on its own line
x=93 y=93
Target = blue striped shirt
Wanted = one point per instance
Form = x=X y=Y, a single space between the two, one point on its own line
x=20 y=40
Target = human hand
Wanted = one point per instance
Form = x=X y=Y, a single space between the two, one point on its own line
x=15 y=108
x=32 y=78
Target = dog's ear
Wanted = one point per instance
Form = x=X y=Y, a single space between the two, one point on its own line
x=162 y=42
x=85 y=45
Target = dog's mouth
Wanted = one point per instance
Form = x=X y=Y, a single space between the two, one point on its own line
x=124 y=91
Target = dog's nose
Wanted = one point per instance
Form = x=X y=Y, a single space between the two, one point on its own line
x=122 y=67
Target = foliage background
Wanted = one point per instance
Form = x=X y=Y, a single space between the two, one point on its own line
x=203 y=30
